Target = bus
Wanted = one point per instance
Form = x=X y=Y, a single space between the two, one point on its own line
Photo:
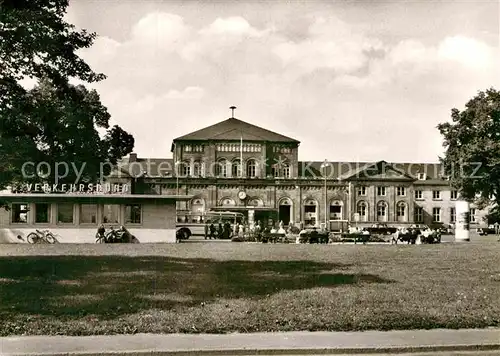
x=193 y=223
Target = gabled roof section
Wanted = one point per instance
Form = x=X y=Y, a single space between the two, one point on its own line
x=371 y=170
x=380 y=171
x=143 y=167
x=234 y=129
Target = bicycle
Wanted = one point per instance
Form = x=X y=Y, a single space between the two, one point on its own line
x=38 y=236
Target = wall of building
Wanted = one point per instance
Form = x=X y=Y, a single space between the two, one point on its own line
x=157 y=225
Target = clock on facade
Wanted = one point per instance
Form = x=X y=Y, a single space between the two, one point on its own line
x=242 y=195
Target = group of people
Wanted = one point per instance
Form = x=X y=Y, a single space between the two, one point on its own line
x=221 y=231
x=224 y=230
x=416 y=235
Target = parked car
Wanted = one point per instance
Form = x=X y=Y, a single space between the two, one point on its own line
x=381 y=229
x=483 y=231
x=442 y=228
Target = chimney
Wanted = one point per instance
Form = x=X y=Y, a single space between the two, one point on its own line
x=132 y=158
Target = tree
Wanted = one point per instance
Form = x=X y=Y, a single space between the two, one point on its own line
x=60 y=129
x=472 y=149
x=55 y=121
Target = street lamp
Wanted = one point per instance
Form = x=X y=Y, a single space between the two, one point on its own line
x=323 y=166
x=177 y=163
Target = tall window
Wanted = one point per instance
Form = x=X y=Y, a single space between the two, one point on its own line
x=19 y=213
x=197 y=169
x=382 y=211
x=42 y=213
x=362 y=190
x=473 y=215
x=401 y=211
x=111 y=214
x=362 y=211
x=286 y=170
x=186 y=169
x=419 y=214
x=235 y=168
x=453 y=215
x=132 y=214
x=275 y=171
x=251 y=168
x=401 y=191
x=436 y=194
x=381 y=191
x=436 y=214
x=221 y=168
x=65 y=213
x=88 y=214
x=418 y=194
x=454 y=194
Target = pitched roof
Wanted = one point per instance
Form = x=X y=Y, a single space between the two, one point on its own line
x=164 y=167
x=151 y=167
x=234 y=129
x=345 y=170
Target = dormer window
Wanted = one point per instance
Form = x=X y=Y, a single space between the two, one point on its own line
x=421 y=176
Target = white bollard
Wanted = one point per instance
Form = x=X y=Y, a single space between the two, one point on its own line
x=462 y=226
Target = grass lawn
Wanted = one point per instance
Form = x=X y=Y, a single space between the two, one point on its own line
x=227 y=287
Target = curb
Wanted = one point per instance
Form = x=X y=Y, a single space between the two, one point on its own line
x=285 y=343
x=279 y=352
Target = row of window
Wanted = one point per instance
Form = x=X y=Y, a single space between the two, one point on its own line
x=65 y=213
x=401 y=191
x=401 y=212
x=223 y=167
x=436 y=215
x=193 y=148
x=236 y=147
x=279 y=149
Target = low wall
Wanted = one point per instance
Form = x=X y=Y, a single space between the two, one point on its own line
x=87 y=235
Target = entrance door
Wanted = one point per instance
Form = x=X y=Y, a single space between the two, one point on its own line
x=335 y=212
x=284 y=214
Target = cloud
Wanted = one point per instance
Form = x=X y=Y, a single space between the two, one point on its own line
x=161 y=30
x=331 y=44
x=188 y=93
x=237 y=26
x=467 y=51
x=223 y=35
x=342 y=90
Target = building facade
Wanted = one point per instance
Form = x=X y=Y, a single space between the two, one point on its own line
x=237 y=166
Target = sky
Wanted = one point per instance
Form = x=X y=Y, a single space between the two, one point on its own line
x=351 y=80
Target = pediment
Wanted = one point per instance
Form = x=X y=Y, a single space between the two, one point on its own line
x=380 y=171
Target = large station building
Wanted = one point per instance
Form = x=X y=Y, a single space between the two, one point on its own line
x=236 y=166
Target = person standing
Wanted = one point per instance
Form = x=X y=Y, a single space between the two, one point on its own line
x=207 y=227
x=213 y=234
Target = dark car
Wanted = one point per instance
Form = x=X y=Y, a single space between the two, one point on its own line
x=483 y=231
x=381 y=229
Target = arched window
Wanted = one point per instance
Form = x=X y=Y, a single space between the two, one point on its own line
x=255 y=202
x=382 y=211
x=197 y=168
x=310 y=212
x=235 y=168
x=401 y=211
x=362 y=210
x=227 y=202
x=275 y=171
x=221 y=168
x=286 y=170
x=197 y=205
x=186 y=169
x=251 y=168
